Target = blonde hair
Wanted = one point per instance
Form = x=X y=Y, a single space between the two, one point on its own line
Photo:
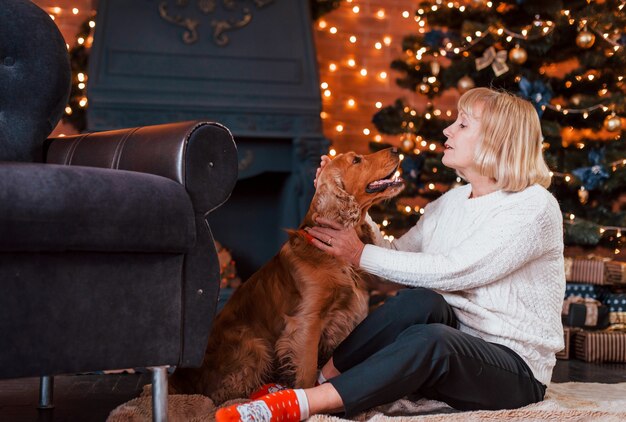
x=510 y=151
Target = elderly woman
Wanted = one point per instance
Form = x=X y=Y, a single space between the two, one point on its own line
x=480 y=325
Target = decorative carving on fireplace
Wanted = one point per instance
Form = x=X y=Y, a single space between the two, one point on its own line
x=220 y=26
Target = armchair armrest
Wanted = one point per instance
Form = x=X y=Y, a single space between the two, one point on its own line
x=199 y=155
x=203 y=158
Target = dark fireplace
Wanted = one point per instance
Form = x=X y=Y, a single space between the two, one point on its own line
x=248 y=64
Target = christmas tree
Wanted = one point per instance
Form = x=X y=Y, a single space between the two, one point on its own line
x=567 y=57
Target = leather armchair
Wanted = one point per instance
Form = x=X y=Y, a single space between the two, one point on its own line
x=106 y=257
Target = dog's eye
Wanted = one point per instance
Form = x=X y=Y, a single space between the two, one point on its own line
x=356 y=160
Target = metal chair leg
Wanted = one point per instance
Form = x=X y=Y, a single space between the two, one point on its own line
x=46 y=390
x=159 y=393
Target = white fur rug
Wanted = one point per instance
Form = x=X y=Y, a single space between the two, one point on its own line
x=570 y=401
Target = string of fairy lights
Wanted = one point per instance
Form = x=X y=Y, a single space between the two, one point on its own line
x=350 y=64
x=80 y=79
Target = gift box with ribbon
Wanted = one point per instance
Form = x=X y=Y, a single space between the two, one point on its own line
x=585 y=313
x=601 y=346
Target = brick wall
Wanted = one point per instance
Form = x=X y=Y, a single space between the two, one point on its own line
x=370 y=22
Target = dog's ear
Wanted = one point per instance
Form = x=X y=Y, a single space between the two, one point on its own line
x=333 y=202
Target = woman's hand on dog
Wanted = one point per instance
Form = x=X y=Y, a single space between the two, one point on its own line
x=337 y=240
x=324 y=159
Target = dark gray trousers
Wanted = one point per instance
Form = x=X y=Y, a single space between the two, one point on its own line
x=410 y=346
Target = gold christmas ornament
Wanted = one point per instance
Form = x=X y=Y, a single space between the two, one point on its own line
x=424 y=88
x=585 y=39
x=518 y=55
x=583 y=195
x=612 y=123
x=465 y=84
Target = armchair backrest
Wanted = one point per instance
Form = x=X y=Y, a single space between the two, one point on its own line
x=35 y=79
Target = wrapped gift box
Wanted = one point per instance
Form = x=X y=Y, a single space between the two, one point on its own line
x=600 y=346
x=569 y=333
x=615 y=301
x=585 y=313
x=586 y=291
x=617 y=317
x=616 y=272
x=589 y=270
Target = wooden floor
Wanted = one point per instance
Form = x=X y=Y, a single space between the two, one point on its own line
x=85 y=398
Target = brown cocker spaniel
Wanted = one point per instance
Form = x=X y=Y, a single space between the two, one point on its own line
x=291 y=314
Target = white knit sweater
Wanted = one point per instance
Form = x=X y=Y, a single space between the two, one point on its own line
x=496 y=259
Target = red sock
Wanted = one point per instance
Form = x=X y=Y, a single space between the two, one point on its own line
x=282 y=406
x=267 y=389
